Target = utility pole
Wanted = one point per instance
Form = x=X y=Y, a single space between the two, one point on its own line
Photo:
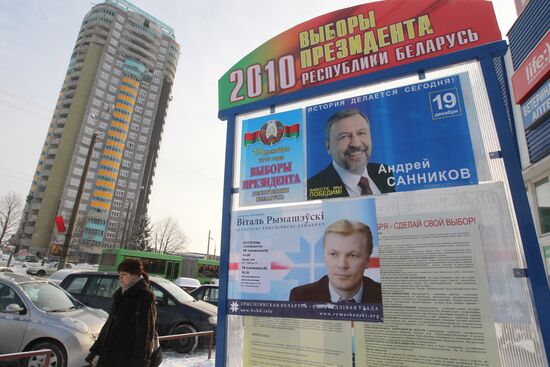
x=74 y=214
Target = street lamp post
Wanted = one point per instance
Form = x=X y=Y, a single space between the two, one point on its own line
x=74 y=214
x=208 y=246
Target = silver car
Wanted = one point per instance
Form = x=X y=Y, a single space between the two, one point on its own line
x=35 y=314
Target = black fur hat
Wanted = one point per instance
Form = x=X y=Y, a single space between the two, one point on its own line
x=132 y=266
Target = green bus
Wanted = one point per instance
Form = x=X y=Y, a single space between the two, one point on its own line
x=166 y=266
x=208 y=270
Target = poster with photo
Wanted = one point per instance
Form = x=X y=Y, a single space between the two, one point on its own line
x=272 y=159
x=315 y=260
x=402 y=139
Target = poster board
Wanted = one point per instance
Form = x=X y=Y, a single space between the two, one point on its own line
x=425 y=218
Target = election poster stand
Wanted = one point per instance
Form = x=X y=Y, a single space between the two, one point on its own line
x=374 y=212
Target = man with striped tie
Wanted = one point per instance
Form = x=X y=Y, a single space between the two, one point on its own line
x=348 y=141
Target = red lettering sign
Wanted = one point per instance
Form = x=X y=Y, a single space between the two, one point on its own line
x=533 y=71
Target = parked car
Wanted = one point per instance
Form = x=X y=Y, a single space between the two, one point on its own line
x=187 y=284
x=36 y=314
x=207 y=293
x=28 y=258
x=5 y=269
x=177 y=311
x=47 y=269
x=59 y=275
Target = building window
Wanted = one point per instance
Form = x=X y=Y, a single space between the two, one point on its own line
x=119 y=193
x=110 y=234
x=115 y=214
x=117 y=203
x=542 y=192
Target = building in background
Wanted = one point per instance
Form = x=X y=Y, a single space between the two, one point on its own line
x=529 y=67
x=118 y=86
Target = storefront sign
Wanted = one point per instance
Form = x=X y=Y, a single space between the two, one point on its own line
x=537 y=105
x=534 y=70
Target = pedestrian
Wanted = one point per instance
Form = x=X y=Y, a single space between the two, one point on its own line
x=127 y=337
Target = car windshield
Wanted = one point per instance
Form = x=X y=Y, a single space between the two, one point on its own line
x=181 y=295
x=48 y=297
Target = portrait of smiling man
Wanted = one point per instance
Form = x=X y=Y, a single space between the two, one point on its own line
x=347 y=247
x=349 y=143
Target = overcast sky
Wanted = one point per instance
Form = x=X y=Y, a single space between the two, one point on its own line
x=37 y=39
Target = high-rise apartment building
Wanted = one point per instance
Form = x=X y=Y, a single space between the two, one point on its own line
x=117 y=86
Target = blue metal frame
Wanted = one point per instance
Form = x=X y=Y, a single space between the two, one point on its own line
x=536 y=273
x=484 y=54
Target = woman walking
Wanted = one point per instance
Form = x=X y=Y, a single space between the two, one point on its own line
x=126 y=339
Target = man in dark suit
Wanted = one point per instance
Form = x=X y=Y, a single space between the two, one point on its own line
x=347 y=247
x=348 y=141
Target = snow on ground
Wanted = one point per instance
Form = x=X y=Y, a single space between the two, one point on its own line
x=198 y=358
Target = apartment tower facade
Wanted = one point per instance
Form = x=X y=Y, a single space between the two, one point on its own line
x=118 y=86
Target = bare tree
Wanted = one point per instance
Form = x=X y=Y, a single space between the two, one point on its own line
x=11 y=207
x=167 y=236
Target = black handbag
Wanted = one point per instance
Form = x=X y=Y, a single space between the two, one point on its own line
x=156 y=353
x=156 y=357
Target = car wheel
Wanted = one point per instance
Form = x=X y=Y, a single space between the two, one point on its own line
x=41 y=273
x=185 y=345
x=57 y=359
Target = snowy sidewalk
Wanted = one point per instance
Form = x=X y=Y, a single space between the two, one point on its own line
x=199 y=358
